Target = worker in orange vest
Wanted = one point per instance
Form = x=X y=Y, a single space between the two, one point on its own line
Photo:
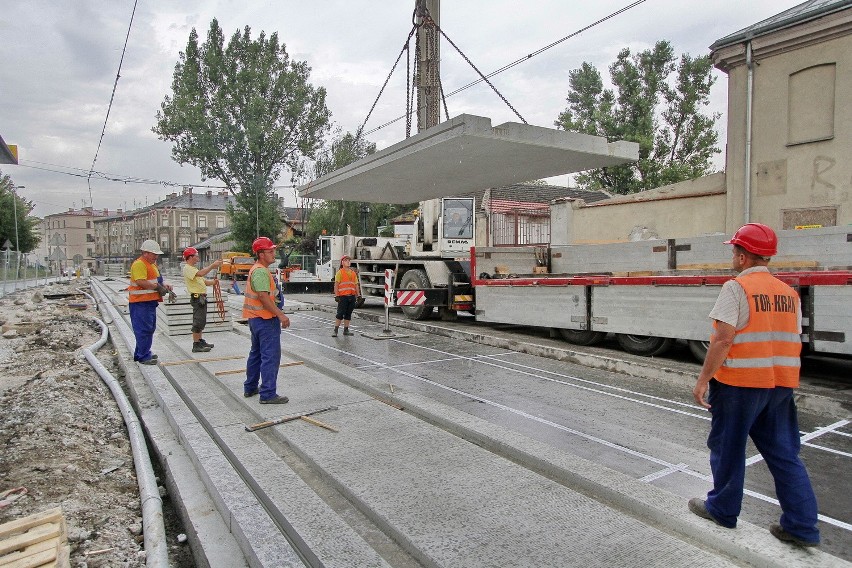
x=747 y=382
x=146 y=290
x=346 y=293
x=265 y=320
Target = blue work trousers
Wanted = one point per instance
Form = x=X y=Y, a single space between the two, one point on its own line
x=143 y=320
x=769 y=417
x=264 y=357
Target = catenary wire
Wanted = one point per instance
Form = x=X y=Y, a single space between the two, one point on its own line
x=111 y=99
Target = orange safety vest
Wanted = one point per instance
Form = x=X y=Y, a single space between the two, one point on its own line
x=140 y=294
x=348 y=283
x=252 y=308
x=765 y=353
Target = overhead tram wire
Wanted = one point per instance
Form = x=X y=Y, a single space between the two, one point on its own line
x=111 y=99
x=521 y=60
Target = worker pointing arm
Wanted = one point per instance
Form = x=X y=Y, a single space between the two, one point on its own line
x=196 y=286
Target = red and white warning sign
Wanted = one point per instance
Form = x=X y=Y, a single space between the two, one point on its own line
x=410 y=297
x=388 y=286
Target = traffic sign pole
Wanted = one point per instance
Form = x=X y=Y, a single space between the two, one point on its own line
x=386 y=333
x=388 y=294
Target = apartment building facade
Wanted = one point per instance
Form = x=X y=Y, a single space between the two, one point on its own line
x=68 y=239
x=178 y=221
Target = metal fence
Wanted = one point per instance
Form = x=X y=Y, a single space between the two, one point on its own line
x=528 y=227
x=18 y=273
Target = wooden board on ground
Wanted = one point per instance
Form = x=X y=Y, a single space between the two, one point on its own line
x=202 y=360
x=235 y=371
x=37 y=540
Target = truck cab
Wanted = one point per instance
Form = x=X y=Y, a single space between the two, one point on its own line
x=236 y=265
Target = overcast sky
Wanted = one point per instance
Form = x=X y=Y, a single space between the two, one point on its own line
x=60 y=61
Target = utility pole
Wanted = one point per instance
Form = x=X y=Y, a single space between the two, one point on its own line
x=429 y=66
x=429 y=97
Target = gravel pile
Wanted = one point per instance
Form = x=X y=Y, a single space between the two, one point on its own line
x=62 y=438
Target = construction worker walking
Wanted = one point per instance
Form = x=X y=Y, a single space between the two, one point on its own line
x=196 y=287
x=347 y=289
x=750 y=371
x=145 y=291
x=265 y=320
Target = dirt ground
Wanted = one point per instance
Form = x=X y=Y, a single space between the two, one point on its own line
x=62 y=438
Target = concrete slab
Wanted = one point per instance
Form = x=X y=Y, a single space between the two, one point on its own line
x=467 y=154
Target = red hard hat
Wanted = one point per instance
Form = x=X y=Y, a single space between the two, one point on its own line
x=188 y=252
x=262 y=243
x=345 y=256
x=756 y=238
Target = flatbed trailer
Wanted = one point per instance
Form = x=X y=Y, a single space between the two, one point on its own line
x=649 y=312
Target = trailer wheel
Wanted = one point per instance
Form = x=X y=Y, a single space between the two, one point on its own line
x=644 y=345
x=699 y=349
x=582 y=337
x=415 y=279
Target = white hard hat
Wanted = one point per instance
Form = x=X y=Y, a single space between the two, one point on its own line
x=151 y=246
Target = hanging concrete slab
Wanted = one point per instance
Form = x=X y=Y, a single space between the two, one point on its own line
x=466 y=154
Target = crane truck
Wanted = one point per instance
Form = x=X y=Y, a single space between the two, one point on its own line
x=432 y=260
x=648 y=293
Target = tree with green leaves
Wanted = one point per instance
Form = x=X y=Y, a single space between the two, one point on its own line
x=26 y=238
x=243 y=114
x=657 y=101
x=336 y=217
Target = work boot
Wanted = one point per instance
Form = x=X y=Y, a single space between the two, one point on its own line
x=149 y=361
x=334 y=333
x=778 y=532
x=199 y=347
x=277 y=399
x=699 y=507
x=210 y=345
x=347 y=332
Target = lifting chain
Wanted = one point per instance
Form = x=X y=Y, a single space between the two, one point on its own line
x=395 y=63
x=408 y=90
x=434 y=80
x=427 y=18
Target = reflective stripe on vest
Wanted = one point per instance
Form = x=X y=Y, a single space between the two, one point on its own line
x=765 y=353
x=140 y=294
x=347 y=285
x=252 y=308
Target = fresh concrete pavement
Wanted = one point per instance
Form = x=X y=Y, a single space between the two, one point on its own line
x=443 y=486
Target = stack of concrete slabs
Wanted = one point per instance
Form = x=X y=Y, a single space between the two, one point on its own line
x=467 y=154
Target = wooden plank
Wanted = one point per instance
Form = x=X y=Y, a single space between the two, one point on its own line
x=235 y=371
x=45 y=546
x=316 y=422
x=32 y=536
x=25 y=523
x=35 y=560
x=40 y=539
x=389 y=403
x=202 y=360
